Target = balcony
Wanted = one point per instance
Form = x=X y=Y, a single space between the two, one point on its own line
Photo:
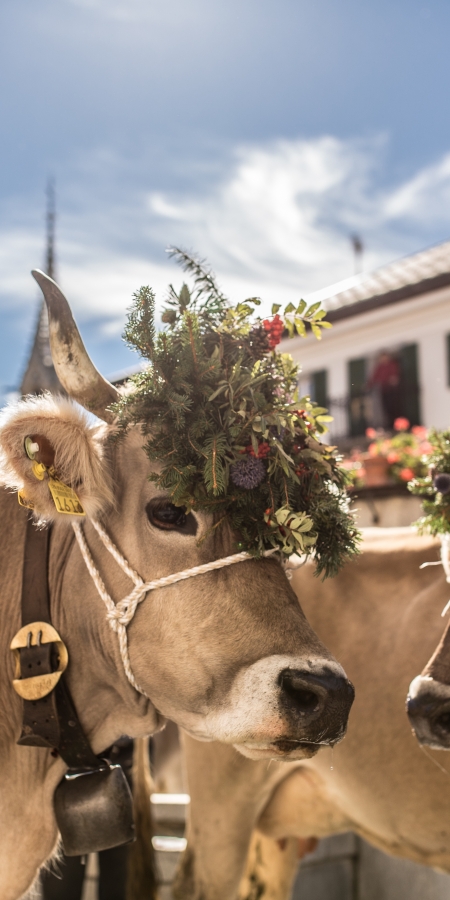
x=353 y=414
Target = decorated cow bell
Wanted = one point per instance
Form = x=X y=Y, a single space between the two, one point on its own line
x=94 y=810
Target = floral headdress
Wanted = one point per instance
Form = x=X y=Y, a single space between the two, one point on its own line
x=220 y=407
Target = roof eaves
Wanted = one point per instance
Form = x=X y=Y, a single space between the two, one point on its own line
x=385 y=299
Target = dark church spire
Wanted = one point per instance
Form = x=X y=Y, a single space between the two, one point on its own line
x=50 y=221
x=39 y=374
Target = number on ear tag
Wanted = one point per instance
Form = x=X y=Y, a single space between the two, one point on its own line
x=65 y=498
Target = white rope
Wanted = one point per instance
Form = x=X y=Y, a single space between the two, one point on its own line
x=445 y=555
x=119 y=615
x=444 y=561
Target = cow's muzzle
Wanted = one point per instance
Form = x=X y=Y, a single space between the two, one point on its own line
x=317 y=702
x=428 y=709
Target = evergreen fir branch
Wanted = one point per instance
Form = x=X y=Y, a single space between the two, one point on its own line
x=215 y=468
x=204 y=279
x=139 y=331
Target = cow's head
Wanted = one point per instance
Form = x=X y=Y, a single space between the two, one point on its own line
x=228 y=654
x=428 y=701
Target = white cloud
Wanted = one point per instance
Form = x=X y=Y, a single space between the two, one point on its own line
x=426 y=197
x=275 y=221
x=281 y=216
x=20 y=250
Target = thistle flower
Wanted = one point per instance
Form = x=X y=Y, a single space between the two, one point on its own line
x=248 y=472
x=442 y=483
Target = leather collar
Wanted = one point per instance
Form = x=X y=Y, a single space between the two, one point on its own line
x=49 y=721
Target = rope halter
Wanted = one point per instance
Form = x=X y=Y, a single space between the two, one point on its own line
x=444 y=562
x=119 y=615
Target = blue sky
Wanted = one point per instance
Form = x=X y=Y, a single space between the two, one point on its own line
x=261 y=134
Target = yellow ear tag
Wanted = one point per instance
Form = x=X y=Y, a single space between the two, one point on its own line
x=23 y=501
x=39 y=470
x=65 y=498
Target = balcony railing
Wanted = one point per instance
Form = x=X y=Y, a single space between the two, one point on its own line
x=353 y=414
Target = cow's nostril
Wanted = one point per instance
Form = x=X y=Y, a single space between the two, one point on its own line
x=443 y=721
x=301 y=697
x=305 y=700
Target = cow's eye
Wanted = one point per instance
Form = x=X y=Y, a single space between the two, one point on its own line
x=169 y=517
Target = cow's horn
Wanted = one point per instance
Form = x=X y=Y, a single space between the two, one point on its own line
x=76 y=372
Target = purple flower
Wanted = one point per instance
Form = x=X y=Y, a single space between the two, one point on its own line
x=248 y=472
x=442 y=483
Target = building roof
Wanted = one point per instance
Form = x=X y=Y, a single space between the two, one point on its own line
x=400 y=280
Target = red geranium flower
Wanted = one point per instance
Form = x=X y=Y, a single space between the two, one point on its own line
x=406 y=474
x=426 y=447
x=401 y=424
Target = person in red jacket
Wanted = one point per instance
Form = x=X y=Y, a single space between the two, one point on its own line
x=386 y=379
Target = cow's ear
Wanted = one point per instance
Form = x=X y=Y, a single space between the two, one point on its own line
x=58 y=436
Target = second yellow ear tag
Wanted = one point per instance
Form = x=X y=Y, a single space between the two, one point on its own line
x=65 y=498
x=39 y=471
x=23 y=500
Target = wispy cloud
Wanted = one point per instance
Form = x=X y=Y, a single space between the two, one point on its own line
x=273 y=219
x=280 y=217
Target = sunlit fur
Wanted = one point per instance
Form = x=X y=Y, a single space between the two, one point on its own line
x=78 y=452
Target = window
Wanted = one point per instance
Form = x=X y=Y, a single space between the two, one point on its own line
x=409 y=383
x=384 y=387
x=357 y=378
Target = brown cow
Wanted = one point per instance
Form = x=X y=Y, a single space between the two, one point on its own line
x=428 y=703
x=228 y=655
x=380 y=616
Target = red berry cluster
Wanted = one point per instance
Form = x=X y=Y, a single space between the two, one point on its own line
x=263 y=450
x=274 y=330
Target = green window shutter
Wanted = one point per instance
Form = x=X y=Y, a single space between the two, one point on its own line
x=409 y=383
x=357 y=374
x=319 y=387
x=357 y=378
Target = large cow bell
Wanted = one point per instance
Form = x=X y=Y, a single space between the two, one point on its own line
x=94 y=810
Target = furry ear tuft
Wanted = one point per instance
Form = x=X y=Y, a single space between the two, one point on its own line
x=78 y=453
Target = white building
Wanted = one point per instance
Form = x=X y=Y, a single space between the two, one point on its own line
x=404 y=309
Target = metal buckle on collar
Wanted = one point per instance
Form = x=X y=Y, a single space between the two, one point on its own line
x=35 y=634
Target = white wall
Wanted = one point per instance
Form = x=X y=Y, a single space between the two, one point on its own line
x=424 y=320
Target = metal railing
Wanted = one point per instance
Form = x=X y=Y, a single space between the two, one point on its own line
x=353 y=414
